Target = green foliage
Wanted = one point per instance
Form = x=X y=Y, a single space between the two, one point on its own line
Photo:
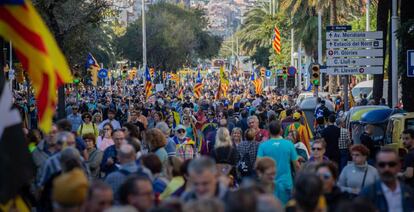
x=359 y=23
x=257 y=32
x=175 y=38
x=77 y=27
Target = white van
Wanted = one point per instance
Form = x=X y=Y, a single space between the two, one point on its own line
x=365 y=87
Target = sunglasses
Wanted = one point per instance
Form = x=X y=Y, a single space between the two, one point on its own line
x=391 y=164
x=316 y=148
x=181 y=131
x=325 y=176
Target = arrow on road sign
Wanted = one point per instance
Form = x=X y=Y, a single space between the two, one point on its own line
x=354 y=35
x=354 y=44
x=354 y=62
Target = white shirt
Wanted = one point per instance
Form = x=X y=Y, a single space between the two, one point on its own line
x=394 y=198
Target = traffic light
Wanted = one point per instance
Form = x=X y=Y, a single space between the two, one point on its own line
x=76 y=78
x=262 y=72
x=285 y=71
x=315 y=75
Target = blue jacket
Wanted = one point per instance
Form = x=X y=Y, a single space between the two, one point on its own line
x=376 y=196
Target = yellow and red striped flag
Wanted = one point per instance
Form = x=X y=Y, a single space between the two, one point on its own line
x=198 y=86
x=276 y=41
x=224 y=82
x=181 y=92
x=257 y=82
x=175 y=77
x=38 y=52
x=148 y=83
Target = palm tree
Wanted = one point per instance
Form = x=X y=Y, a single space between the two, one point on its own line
x=304 y=21
x=255 y=34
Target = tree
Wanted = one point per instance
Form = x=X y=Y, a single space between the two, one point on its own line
x=256 y=35
x=176 y=37
x=71 y=22
x=406 y=36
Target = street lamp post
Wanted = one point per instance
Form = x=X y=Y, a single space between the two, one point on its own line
x=320 y=44
x=367 y=27
x=144 y=37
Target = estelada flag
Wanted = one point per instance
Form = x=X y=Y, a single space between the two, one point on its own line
x=15 y=160
x=93 y=65
x=38 y=52
x=148 y=83
x=198 y=86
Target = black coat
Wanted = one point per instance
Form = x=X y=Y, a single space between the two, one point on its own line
x=331 y=135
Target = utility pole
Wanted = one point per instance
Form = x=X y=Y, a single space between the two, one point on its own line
x=320 y=45
x=367 y=27
x=394 y=53
x=299 y=71
x=144 y=37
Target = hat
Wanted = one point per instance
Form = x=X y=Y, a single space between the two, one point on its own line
x=296 y=116
x=179 y=127
x=71 y=188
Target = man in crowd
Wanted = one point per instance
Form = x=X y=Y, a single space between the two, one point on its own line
x=408 y=141
x=110 y=160
x=137 y=191
x=283 y=152
x=111 y=119
x=261 y=134
x=128 y=166
x=203 y=175
x=389 y=193
x=100 y=197
x=331 y=135
x=75 y=118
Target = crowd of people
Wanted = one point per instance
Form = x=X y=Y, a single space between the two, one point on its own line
x=119 y=151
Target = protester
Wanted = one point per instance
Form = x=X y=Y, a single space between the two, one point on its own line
x=100 y=197
x=156 y=142
x=137 y=191
x=95 y=155
x=331 y=134
x=110 y=160
x=408 y=169
x=236 y=136
x=389 y=193
x=111 y=120
x=261 y=134
x=105 y=139
x=344 y=143
x=87 y=126
x=284 y=154
x=247 y=154
x=266 y=171
x=174 y=174
x=358 y=174
x=328 y=172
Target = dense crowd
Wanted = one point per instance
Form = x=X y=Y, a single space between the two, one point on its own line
x=118 y=151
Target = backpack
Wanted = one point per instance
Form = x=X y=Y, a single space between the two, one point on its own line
x=139 y=172
x=243 y=166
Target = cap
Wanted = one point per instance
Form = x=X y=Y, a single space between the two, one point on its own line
x=179 y=127
x=296 y=115
x=71 y=188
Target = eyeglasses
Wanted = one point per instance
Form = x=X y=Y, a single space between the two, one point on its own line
x=181 y=131
x=391 y=164
x=316 y=148
x=325 y=176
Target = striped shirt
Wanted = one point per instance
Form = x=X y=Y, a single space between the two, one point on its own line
x=344 y=139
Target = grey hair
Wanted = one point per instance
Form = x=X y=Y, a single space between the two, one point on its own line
x=70 y=158
x=163 y=127
x=252 y=117
x=126 y=151
x=62 y=137
x=201 y=164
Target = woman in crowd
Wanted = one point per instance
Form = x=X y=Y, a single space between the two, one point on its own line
x=95 y=155
x=131 y=130
x=87 y=126
x=224 y=151
x=174 y=175
x=318 y=151
x=156 y=142
x=328 y=173
x=188 y=124
x=236 y=136
x=105 y=139
x=153 y=163
x=358 y=174
x=248 y=151
x=97 y=118
x=266 y=171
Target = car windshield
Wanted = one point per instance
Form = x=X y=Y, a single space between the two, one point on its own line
x=409 y=124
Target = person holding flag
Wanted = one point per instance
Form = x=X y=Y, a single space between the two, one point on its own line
x=257 y=82
x=93 y=66
x=303 y=134
x=148 y=83
x=198 y=86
